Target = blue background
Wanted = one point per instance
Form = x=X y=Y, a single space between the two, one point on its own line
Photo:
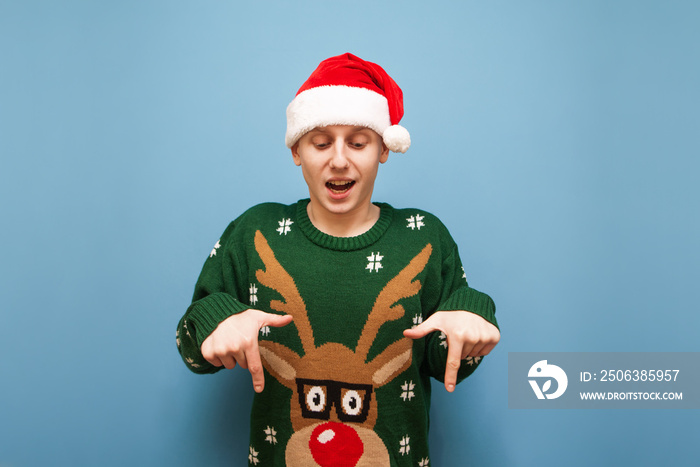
x=558 y=140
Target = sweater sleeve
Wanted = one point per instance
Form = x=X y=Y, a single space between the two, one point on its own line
x=216 y=297
x=456 y=296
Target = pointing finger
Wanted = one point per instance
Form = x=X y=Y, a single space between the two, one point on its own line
x=454 y=357
x=256 y=369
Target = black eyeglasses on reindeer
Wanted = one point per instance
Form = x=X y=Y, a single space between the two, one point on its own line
x=351 y=401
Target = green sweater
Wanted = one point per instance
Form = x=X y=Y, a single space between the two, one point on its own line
x=342 y=384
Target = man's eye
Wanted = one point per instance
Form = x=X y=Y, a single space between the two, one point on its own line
x=358 y=145
x=322 y=145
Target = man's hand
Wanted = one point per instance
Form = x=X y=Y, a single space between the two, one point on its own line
x=235 y=340
x=468 y=335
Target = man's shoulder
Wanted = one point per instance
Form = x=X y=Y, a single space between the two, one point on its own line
x=265 y=210
x=416 y=227
x=261 y=215
x=412 y=210
x=416 y=218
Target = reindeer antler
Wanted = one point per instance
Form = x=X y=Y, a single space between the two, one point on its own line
x=385 y=308
x=276 y=278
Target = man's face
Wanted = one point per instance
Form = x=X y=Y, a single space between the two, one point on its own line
x=340 y=165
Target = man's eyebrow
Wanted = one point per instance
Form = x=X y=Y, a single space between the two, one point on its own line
x=325 y=131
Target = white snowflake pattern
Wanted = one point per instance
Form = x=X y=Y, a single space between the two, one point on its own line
x=285 y=226
x=415 y=222
x=443 y=338
x=472 y=360
x=271 y=435
x=265 y=330
x=404 y=446
x=192 y=363
x=374 y=262
x=423 y=462
x=177 y=337
x=464 y=274
x=417 y=320
x=253 y=290
x=216 y=247
x=407 y=388
x=253 y=456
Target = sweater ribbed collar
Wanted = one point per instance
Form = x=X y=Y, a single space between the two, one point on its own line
x=330 y=242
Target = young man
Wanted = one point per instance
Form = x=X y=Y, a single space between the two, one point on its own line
x=349 y=306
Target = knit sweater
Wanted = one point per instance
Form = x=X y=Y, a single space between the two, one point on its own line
x=343 y=386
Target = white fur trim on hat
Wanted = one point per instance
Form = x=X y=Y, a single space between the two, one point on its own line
x=336 y=105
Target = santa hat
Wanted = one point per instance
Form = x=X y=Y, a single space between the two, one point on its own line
x=346 y=90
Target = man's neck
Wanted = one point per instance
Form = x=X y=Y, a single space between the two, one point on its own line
x=349 y=224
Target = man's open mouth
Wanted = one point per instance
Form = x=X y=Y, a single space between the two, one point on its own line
x=340 y=186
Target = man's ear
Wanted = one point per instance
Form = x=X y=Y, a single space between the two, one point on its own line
x=295 y=154
x=384 y=156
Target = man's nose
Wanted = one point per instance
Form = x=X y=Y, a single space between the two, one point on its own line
x=340 y=156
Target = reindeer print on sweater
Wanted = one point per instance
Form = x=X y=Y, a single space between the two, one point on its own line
x=332 y=410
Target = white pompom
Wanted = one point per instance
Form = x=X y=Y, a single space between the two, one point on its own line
x=397 y=138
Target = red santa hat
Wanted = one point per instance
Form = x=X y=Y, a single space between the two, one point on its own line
x=346 y=90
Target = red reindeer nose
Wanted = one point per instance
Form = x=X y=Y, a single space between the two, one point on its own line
x=334 y=444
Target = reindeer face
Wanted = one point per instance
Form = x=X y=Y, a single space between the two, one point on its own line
x=332 y=423
x=333 y=411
